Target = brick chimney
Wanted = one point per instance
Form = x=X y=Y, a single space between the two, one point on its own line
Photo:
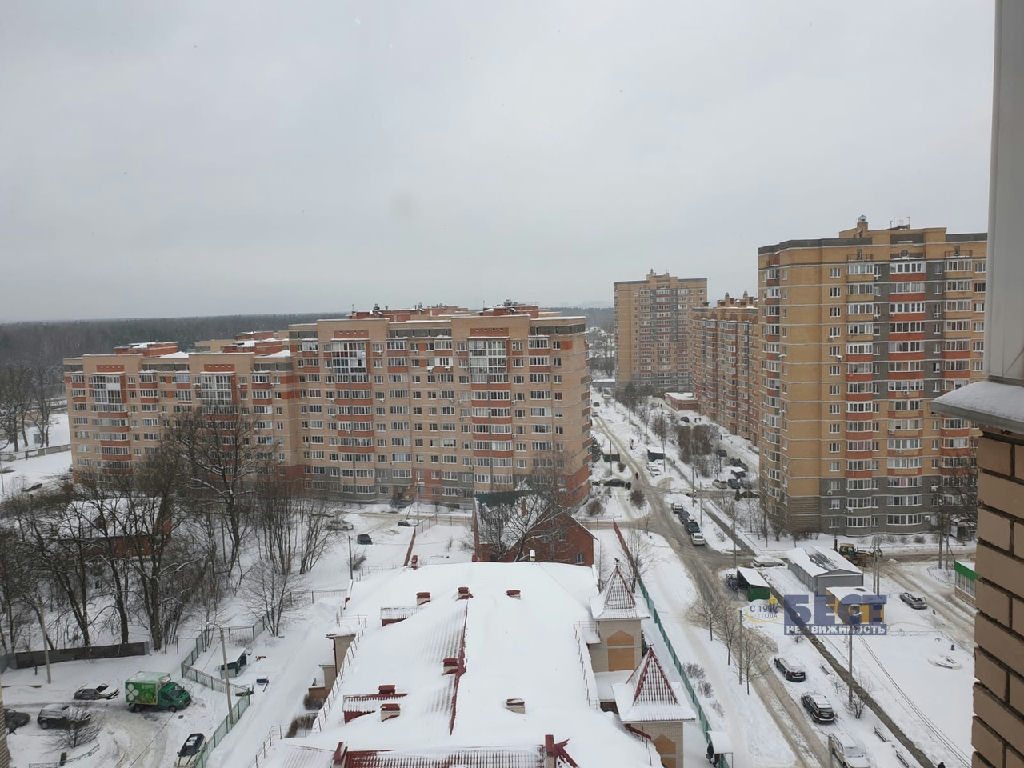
x=389 y=709
x=451 y=665
x=386 y=690
x=516 y=705
x=550 y=752
x=422 y=597
x=513 y=593
x=464 y=593
x=340 y=756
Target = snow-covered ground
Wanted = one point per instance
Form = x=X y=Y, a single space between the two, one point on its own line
x=908 y=671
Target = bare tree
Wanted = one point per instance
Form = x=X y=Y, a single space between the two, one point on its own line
x=83 y=728
x=756 y=655
x=44 y=382
x=15 y=403
x=641 y=554
x=267 y=591
x=512 y=523
x=15 y=589
x=708 y=610
x=728 y=626
x=216 y=443
x=59 y=536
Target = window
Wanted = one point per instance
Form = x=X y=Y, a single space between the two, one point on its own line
x=835 y=272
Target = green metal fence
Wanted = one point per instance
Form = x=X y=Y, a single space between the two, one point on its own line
x=702 y=717
x=223 y=730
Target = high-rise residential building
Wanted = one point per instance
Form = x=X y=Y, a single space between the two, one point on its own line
x=726 y=339
x=652 y=322
x=997 y=406
x=859 y=333
x=433 y=404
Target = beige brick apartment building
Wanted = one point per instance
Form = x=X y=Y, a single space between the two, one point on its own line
x=860 y=332
x=434 y=403
x=652 y=326
x=726 y=339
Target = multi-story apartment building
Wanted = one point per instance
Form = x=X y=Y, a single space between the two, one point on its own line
x=859 y=333
x=433 y=403
x=652 y=322
x=726 y=338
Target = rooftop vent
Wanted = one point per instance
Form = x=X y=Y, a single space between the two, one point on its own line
x=422 y=597
x=389 y=710
x=464 y=593
x=513 y=593
x=451 y=665
x=385 y=690
x=516 y=705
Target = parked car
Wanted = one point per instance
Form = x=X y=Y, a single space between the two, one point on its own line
x=61 y=717
x=719 y=484
x=697 y=539
x=15 y=719
x=818 y=707
x=915 y=602
x=654 y=469
x=677 y=508
x=364 y=538
x=764 y=561
x=748 y=494
x=190 y=751
x=684 y=517
x=847 y=751
x=692 y=526
x=791 y=670
x=721 y=453
x=684 y=419
x=732 y=482
x=404 y=524
x=618 y=482
x=99 y=692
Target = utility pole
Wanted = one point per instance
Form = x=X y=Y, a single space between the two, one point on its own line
x=734 y=564
x=227 y=685
x=46 y=646
x=850 y=660
x=877 y=553
x=739 y=649
x=349 y=556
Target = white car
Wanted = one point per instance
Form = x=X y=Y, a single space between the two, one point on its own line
x=764 y=561
x=848 y=752
x=697 y=539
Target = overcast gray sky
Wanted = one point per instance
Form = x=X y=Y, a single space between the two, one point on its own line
x=182 y=158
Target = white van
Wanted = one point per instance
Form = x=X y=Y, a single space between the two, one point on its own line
x=848 y=752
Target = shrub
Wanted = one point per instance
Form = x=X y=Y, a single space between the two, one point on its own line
x=636 y=497
x=595 y=508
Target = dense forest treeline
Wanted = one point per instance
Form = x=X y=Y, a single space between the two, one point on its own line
x=49 y=342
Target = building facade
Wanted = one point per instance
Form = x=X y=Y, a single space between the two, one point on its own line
x=726 y=339
x=652 y=326
x=859 y=334
x=431 y=404
x=997 y=405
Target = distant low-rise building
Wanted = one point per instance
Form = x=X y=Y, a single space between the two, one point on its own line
x=820 y=568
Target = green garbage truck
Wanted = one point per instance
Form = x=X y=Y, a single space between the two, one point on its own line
x=154 y=690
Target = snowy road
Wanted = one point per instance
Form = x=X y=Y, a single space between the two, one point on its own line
x=702 y=564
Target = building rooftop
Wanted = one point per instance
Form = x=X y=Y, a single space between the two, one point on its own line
x=498 y=647
x=816 y=561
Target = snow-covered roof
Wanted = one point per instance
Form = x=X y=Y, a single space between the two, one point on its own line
x=752 y=577
x=506 y=647
x=815 y=561
x=616 y=601
x=864 y=595
x=175 y=356
x=648 y=695
x=988 y=402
